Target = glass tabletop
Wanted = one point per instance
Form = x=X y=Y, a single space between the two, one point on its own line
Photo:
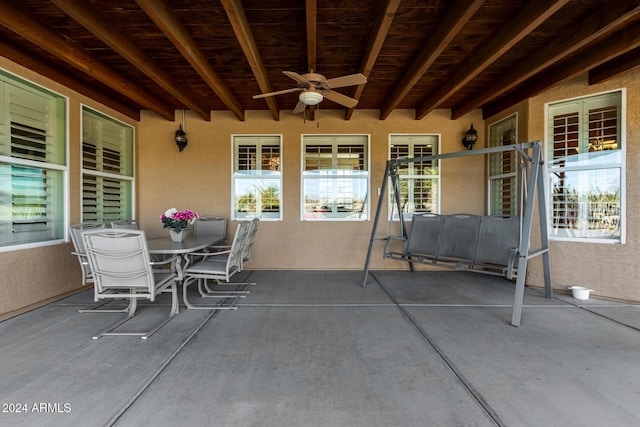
x=164 y=245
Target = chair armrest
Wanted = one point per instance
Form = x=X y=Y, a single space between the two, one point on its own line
x=205 y=255
x=165 y=261
x=208 y=254
x=219 y=246
x=83 y=258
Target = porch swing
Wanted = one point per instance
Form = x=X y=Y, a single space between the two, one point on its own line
x=489 y=244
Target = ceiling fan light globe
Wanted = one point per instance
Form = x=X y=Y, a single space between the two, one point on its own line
x=310 y=98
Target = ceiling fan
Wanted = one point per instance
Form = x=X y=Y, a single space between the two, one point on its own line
x=315 y=87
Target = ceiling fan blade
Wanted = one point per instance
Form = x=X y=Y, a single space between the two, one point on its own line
x=297 y=77
x=350 y=80
x=300 y=106
x=340 y=98
x=280 y=92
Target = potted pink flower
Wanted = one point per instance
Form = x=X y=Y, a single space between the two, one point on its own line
x=177 y=222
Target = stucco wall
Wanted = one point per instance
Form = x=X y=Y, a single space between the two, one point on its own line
x=31 y=276
x=612 y=270
x=199 y=178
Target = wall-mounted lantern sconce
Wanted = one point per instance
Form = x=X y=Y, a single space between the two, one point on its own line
x=181 y=136
x=470 y=138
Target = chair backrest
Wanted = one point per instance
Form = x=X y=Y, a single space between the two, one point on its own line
x=234 y=260
x=459 y=236
x=426 y=232
x=498 y=237
x=120 y=260
x=125 y=224
x=250 y=239
x=76 y=231
x=210 y=226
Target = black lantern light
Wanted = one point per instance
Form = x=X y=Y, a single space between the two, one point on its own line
x=181 y=136
x=470 y=138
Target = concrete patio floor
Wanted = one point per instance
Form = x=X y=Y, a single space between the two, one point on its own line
x=314 y=348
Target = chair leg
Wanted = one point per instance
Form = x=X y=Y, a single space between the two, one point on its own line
x=211 y=292
x=220 y=306
x=110 y=331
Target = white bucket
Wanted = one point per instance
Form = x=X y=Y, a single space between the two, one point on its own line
x=580 y=292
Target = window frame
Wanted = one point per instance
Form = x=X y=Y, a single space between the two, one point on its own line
x=58 y=128
x=584 y=165
x=391 y=208
x=258 y=174
x=308 y=175
x=493 y=180
x=129 y=179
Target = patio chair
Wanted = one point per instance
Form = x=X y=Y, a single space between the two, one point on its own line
x=76 y=231
x=251 y=238
x=122 y=268
x=218 y=267
x=210 y=225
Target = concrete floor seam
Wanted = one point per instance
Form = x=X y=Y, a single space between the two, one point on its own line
x=465 y=383
x=114 y=420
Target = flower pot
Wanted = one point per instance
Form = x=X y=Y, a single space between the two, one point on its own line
x=178 y=236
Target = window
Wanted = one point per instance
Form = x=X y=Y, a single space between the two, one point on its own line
x=503 y=173
x=335 y=177
x=32 y=164
x=586 y=168
x=419 y=182
x=107 y=168
x=257 y=178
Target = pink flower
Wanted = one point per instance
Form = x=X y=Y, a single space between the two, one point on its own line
x=178 y=220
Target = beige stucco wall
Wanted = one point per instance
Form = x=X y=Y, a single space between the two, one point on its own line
x=199 y=178
x=31 y=276
x=612 y=270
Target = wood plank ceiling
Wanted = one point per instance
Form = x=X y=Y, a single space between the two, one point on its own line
x=203 y=55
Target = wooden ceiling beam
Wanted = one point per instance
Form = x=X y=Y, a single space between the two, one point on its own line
x=312 y=35
x=99 y=25
x=455 y=19
x=589 y=57
x=616 y=66
x=373 y=49
x=527 y=19
x=311 y=13
x=33 y=30
x=24 y=58
x=241 y=27
x=160 y=14
x=596 y=25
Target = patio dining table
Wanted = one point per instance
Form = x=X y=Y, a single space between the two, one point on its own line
x=166 y=246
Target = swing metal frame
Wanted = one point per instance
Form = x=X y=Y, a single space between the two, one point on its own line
x=531 y=153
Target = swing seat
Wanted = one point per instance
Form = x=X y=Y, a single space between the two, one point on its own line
x=483 y=244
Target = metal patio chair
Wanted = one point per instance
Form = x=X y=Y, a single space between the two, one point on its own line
x=76 y=231
x=219 y=267
x=122 y=268
x=250 y=240
x=210 y=225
